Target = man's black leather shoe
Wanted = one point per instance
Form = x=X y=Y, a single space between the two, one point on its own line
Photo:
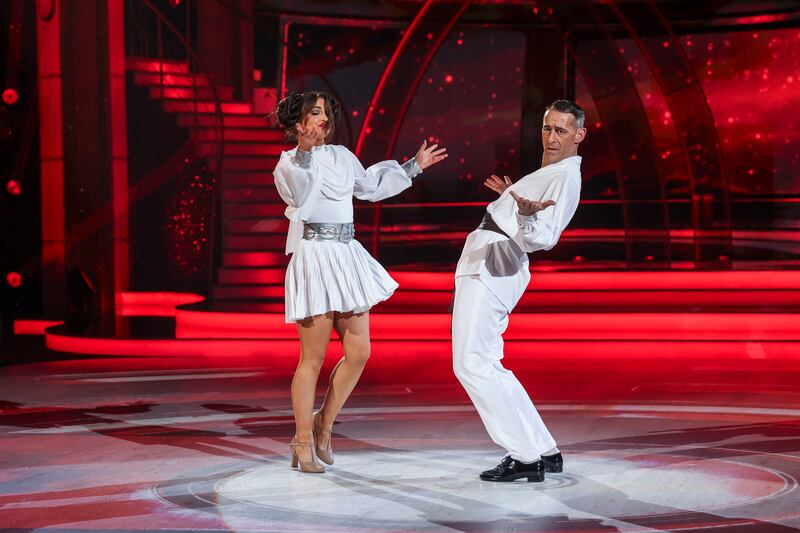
x=510 y=469
x=553 y=463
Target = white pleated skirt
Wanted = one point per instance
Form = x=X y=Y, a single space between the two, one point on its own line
x=333 y=276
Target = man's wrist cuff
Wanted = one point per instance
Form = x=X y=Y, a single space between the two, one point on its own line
x=526 y=222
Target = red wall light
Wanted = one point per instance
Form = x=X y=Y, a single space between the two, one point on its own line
x=13 y=187
x=13 y=279
x=10 y=96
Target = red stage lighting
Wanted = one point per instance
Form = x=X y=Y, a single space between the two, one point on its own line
x=13 y=279
x=13 y=187
x=174 y=3
x=10 y=96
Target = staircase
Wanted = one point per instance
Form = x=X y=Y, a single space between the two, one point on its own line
x=254 y=229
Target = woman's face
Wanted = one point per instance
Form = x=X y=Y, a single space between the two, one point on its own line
x=317 y=119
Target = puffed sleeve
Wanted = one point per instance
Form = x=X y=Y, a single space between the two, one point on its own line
x=382 y=180
x=298 y=182
x=542 y=230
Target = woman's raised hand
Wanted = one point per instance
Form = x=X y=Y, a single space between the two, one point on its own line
x=429 y=155
x=309 y=136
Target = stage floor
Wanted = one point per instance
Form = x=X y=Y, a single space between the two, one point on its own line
x=176 y=444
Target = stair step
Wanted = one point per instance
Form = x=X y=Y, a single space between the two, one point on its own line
x=234 y=210
x=234 y=149
x=548 y=328
x=225 y=94
x=251 y=226
x=251 y=194
x=241 y=134
x=673 y=282
x=262 y=163
x=250 y=276
x=170 y=80
x=255 y=259
x=247 y=292
x=231 y=121
x=248 y=179
x=145 y=64
x=271 y=242
x=606 y=300
x=259 y=307
x=228 y=108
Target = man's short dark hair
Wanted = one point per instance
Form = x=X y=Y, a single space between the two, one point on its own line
x=565 y=106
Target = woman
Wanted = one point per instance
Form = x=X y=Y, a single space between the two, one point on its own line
x=331 y=280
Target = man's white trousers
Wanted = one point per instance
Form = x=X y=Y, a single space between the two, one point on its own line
x=479 y=321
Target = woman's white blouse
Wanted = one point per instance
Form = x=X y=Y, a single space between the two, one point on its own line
x=318 y=186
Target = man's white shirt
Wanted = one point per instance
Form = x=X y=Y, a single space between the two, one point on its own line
x=502 y=262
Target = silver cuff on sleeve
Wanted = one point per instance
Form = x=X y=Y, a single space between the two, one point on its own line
x=412 y=168
x=302 y=158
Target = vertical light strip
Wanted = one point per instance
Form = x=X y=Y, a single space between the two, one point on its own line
x=48 y=43
x=284 y=58
x=118 y=132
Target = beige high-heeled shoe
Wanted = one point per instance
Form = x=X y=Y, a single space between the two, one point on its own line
x=325 y=454
x=312 y=467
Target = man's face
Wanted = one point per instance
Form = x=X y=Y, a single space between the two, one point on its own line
x=560 y=136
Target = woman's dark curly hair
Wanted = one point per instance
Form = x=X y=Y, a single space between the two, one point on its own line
x=295 y=106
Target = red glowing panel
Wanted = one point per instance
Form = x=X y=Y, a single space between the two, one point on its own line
x=33 y=327
x=624 y=281
x=153 y=303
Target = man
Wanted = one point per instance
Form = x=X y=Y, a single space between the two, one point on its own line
x=491 y=277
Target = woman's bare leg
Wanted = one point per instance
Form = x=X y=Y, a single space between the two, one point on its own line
x=315 y=333
x=354 y=333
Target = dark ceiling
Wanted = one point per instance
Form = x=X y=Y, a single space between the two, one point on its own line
x=688 y=14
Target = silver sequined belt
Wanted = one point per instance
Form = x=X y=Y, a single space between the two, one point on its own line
x=313 y=231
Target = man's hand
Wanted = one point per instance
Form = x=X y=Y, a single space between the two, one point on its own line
x=530 y=207
x=498 y=185
x=429 y=155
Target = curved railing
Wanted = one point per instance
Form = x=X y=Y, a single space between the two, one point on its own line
x=757 y=243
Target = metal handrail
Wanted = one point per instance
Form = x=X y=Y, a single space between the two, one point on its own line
x=194 y=66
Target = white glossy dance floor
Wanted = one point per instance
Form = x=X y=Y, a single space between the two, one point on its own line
x=154 y=446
